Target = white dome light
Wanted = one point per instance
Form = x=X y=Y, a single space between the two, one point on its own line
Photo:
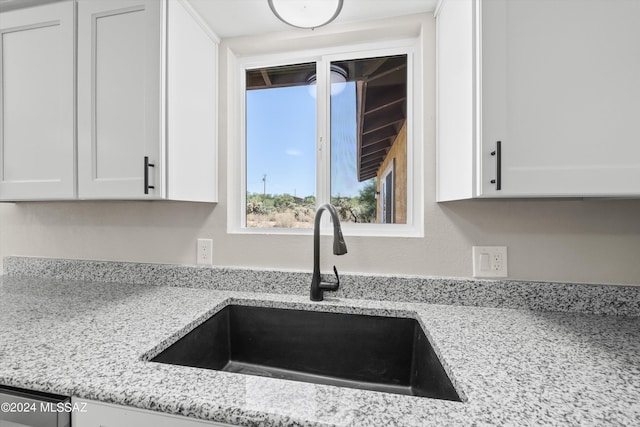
x=338 y=80
x=306 y=13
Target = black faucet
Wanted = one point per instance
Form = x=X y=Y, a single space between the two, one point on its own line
x=339 y=248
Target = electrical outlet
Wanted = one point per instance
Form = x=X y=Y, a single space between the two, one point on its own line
x=490 y=261
x=204 y=253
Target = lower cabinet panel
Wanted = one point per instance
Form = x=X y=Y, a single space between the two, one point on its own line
x=99 y=414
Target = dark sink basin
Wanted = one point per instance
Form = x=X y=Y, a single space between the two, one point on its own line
x=387 y=354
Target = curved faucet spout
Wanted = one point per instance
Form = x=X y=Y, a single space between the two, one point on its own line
x=339 y=248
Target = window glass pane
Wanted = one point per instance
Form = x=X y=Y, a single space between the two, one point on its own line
x=281 y=134
x=368 y=134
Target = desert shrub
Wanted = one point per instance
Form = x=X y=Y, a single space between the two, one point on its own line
x=367 y=201
x=304 y=213
x=285 y=219
x=284 y=202
x=256 y=207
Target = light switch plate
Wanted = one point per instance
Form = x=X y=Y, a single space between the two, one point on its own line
x=490 y=261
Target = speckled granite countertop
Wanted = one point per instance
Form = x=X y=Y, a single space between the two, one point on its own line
x=513 y=367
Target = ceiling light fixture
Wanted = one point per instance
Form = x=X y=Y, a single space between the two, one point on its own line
x=306 y=13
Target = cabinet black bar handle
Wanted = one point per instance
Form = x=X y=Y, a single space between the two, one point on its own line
x=147 y=165
x=498 y=154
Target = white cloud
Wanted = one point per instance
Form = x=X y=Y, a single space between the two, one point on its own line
x=293 y=152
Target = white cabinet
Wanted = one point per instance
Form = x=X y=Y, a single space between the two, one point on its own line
x=119 y=95
x=88 y=413
x=136 y=118
x=37 y=103
x=556 y=82
x=147 y=81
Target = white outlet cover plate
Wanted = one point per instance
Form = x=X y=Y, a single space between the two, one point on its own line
x=204 y=252
x=490 y=261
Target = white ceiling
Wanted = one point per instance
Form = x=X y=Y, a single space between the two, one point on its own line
x=232 y=18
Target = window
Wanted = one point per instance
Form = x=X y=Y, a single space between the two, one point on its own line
x=281 y=146
x=334 y=128
x=368 y=121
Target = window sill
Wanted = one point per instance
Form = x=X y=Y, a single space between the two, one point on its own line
x=348 y=230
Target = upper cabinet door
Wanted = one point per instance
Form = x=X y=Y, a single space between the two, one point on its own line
x=37 y=103
x=561 y=91
x=556 y=82
x=120 y=58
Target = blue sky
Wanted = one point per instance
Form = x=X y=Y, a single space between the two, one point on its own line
x=281 y=134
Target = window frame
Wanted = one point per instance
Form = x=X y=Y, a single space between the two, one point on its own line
x=323 y=59
x=390 y=170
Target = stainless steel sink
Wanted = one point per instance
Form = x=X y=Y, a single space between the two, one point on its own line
x=378 y=353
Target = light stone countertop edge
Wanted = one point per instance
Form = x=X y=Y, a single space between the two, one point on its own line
x=511 y=366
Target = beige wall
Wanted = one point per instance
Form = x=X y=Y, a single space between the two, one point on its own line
x=397 y=153
x=595 y=241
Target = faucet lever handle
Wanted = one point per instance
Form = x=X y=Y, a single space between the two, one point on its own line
x=327 y=286
x=335 y=271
